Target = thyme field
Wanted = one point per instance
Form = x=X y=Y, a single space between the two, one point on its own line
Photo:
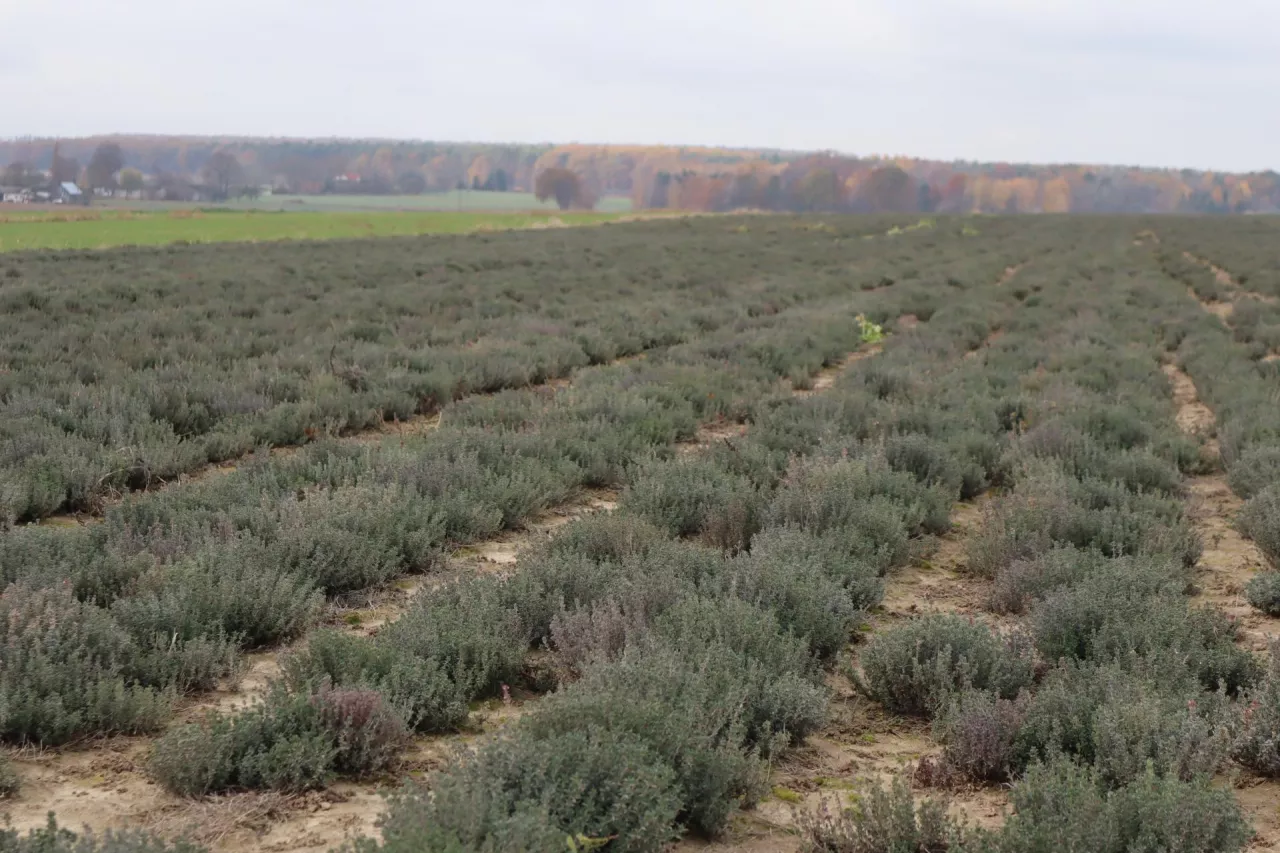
x=850 y=534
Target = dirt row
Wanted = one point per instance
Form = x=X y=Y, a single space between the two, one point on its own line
x=862 y=742
x=1228 y=562
x=1225 y=280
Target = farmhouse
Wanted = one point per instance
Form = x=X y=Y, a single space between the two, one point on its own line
x=68 y=193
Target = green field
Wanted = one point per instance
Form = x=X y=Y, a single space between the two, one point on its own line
x=457 y=201
x=104 y=228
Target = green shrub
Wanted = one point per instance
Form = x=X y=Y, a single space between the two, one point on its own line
x=355 y=538
x=529 y=793
x=1067 y=621
x=1060 y=806
x=982 y=463
x=1094 y=620
x=1257 y=745
x=693 y=708
x=804 y=598
x=52 y=838
x=47 y=556
x=786 y=696
x=884 y=820
x=1255 y=470
x=605 y=536
x=980 y=731
x=290 y=742
x=10 y=781
x=821 y=495
x=236 y=590
x=1125 y=722
x=469 y=629
x=457 y=643
x=1022 y=582
x=1146 y=731
x=422 y=691
x=913 y=668
x=694 y=496
x=555 y=583
x=1057 y=806
x=836 y=553
x=1263 y=592
x=67 y=669
x=1050 y=509
x=1260 y=521
x=926 y=459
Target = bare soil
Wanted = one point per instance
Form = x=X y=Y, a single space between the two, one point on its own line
x=1008 y=274
x=1229 y=560
x=1226 y=280
x=941 y=583
x=709 y=434
x=826 y=377
x=1193 y=417
x=862 y=743
x=1227 y=564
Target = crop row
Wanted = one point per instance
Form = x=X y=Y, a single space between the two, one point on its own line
x=1113 y=703
x=121 y=370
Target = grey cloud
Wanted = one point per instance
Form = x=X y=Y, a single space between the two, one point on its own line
x=1164 y=83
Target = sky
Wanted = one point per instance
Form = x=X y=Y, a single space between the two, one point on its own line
x=1167 y=83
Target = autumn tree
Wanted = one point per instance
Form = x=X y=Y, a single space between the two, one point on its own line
x=497 y=181
x=222 y=172
x=131 y=180
x=818 y=190
x=20 y=174
x=106 y=161
x=64 y=169
x=411 y=183
x=953 y=194
x=887 y=190
x=564 y=186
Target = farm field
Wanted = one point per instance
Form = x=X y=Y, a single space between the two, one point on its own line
x=753 y=533
x=101 y=228
x=457 y=200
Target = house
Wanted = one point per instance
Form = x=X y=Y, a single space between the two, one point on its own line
x=68 y=193
x=15 y=195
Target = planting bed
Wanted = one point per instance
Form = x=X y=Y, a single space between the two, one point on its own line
x=763 y=533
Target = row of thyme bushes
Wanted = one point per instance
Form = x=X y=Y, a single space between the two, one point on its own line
x=159 y=598
x=1115 y=701
x=688 y=631
x=1246 y=248
x=124 y=369
x=1254 y=320
x=1225 y=361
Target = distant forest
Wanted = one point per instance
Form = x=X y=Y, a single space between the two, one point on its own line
x=685 y=178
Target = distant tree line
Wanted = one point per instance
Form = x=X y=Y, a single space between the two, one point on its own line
x=678 y=177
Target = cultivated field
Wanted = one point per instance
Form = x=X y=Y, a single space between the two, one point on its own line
x=457 y=200
x=756 y=533
x=100 y=228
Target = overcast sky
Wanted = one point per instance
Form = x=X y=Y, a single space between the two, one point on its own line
x=1152 y=82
